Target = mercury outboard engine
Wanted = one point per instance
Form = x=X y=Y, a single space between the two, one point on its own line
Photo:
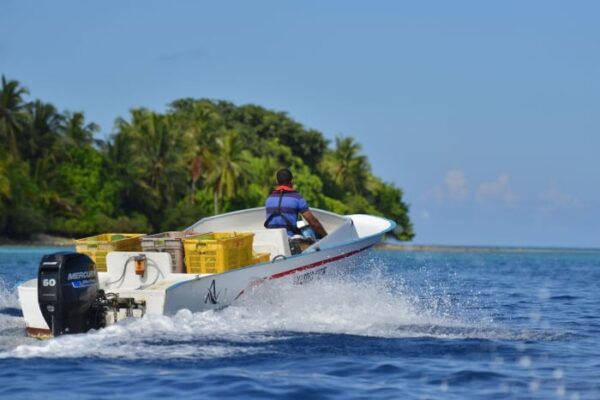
x=67 y=290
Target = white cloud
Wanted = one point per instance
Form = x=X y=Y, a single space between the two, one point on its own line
x=457 y=185
x=553 y=198
x=456 y=188
x=499 y=189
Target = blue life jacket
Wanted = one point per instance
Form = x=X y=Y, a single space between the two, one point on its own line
x=282 y=207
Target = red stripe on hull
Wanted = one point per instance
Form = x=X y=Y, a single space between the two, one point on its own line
x=308 y=266
x=317 y=264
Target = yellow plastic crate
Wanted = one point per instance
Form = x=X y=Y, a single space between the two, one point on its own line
x=213 y=253
x=259 y=258
x=97 y=247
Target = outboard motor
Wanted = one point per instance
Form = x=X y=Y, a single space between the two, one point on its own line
x=67 y=290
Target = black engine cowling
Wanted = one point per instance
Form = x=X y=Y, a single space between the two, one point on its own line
x=67 y=289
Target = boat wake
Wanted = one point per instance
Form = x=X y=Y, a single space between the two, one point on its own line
x=370 y=305
x=12 y=326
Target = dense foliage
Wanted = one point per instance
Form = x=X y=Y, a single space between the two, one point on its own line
x=163 y=171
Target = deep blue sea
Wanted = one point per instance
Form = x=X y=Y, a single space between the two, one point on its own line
x=422 y=325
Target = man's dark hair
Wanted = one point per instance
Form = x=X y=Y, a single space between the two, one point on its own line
x=284 y=176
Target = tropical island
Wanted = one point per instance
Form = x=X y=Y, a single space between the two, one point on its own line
x=162 y=171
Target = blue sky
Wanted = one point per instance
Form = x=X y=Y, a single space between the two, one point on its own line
x=485 y=113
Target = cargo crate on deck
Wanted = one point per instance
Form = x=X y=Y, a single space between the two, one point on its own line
x=97 y=247
x=170 y=242
x=218 y=252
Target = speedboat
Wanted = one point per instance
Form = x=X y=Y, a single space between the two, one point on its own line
x=69 y=295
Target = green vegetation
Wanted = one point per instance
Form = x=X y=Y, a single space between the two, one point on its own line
x=163 y=171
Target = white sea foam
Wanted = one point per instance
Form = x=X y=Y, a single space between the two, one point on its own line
x=12 y=326
x=8 y=297
x=370 y=306
x=373 y=306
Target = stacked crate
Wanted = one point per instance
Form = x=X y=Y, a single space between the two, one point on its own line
x=169 y=242
x=97 y=247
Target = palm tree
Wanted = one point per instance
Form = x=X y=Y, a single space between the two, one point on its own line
x=159 y=149
x=196 y=171
x=13 y=116
x=40 y=142
x=5 y=190
x=350 y=170
x=199 y=122
x=76 y=131
x=264 y=170
x=228 y=167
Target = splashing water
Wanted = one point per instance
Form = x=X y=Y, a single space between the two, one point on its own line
x=429 y=325
x=370 y=305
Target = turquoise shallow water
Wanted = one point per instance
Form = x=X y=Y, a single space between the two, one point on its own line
x=398 y=325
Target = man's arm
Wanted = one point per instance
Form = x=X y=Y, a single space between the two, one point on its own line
x=314 y=223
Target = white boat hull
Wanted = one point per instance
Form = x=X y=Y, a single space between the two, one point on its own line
x=164 y=292
x=219 y=290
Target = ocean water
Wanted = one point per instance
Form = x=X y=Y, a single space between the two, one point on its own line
x=420 y=325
